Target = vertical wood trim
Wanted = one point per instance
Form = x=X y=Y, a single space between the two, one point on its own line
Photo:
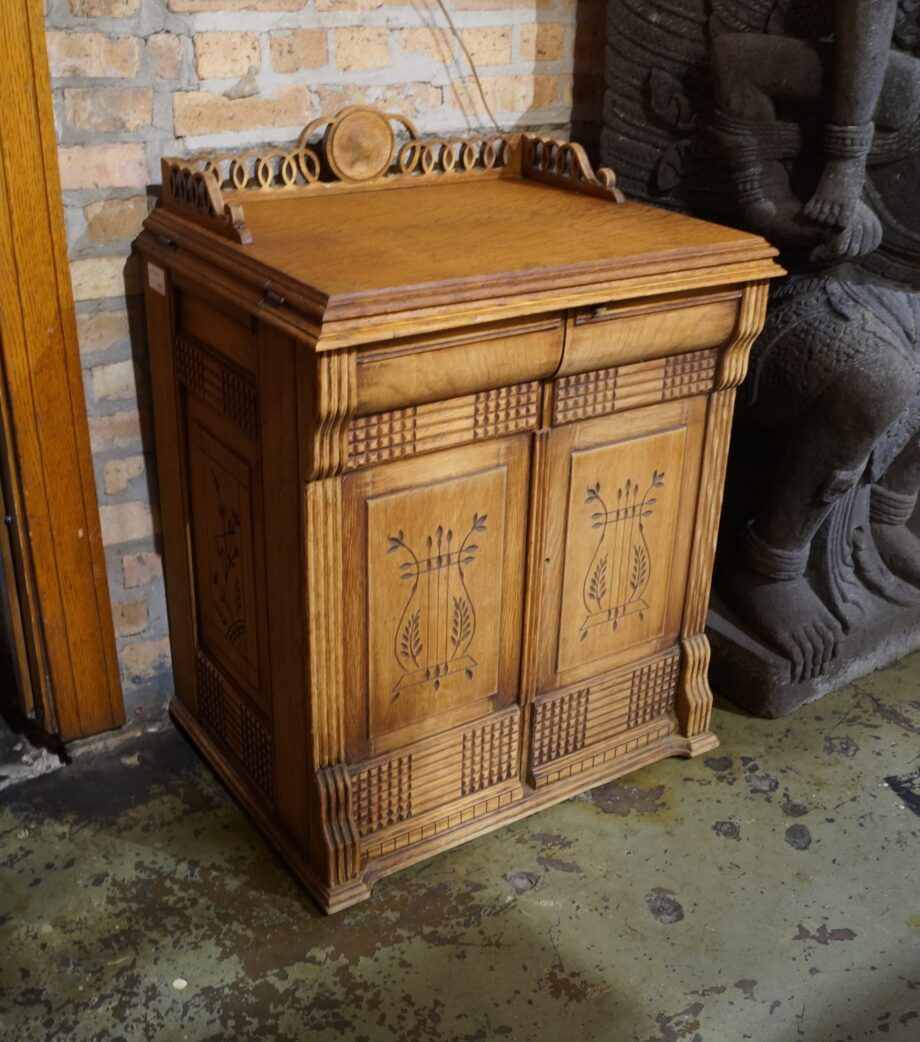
x=533 y=592
x=715 y=461
x=327 y=395
x=59 y=523
x=32 y=693
x=751 y=318
x=170 y=439
x=284 y=543
x=694 y=702
x=324 y=620
x=335 y=383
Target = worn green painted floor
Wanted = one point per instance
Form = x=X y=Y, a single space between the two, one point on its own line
x=769 y=892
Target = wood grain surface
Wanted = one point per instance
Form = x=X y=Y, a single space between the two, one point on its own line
x=450 y=484
x=50 y=492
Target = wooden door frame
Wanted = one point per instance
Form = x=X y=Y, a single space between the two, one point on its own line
x=50 y=487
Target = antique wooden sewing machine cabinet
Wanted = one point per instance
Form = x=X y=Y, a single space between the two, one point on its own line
x=441 y=431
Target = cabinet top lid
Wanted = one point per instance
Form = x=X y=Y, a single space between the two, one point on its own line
x=331 y=226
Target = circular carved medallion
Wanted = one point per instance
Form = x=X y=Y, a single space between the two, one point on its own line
x=359 y=146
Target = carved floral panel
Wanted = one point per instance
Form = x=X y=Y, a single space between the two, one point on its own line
x=222 y=518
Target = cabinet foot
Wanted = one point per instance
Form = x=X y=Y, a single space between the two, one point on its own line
x=346 y=895
x=335 y=840
x=699 y=744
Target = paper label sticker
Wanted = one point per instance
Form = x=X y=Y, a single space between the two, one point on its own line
x=156 y=278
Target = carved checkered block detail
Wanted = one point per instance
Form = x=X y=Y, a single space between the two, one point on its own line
x=560 y=726
x=488 y=755
x=225 y=389
x=257 y=753
x=383 y=794
x=210 y=695
x=389 y=435
x=239 y=401
x=506 y=410
x=653 y=691
x=689 y=374
x=190 y=365
x=243 y=732
x=584 y=395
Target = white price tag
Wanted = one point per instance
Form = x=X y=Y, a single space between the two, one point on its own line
x=156 y=278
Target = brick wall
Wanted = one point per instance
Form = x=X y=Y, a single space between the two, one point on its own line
x=135 y=80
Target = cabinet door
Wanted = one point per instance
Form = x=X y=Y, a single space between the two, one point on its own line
x=434 y=584
x=621 y=505
x=434 y=565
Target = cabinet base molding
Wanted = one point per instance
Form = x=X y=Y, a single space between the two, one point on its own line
x=533 y=800
x=465 y=820
x=329 y=898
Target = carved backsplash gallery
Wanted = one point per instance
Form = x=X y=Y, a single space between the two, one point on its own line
x=359 y=146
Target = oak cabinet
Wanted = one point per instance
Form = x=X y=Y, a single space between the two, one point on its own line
x=440 y=452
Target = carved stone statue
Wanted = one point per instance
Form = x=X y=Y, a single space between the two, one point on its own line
x=801 y=120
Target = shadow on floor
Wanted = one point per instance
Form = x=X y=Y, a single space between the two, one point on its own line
x=766 y=892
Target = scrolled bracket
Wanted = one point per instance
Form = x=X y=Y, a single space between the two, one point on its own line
x=194 y=193
x=566 y=165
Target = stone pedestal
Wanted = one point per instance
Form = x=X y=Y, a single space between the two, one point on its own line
x=758 y=679
x=799 y=121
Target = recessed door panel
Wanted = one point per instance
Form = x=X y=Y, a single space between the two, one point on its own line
x=622 y=501
x=432 y=604
x=434 y=569
x=619 y=539
x=222 y=516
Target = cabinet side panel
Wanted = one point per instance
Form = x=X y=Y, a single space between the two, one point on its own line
x=285 y=569
x=170 y=440
x=218 y=409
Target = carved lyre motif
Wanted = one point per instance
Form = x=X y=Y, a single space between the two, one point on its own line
x=621 y=568
x=438 y=624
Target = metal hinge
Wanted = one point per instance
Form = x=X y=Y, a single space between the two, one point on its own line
x=269 y=296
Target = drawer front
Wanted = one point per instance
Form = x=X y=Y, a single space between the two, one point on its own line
x=624 y=333
x=434 y=578
x=419 y=370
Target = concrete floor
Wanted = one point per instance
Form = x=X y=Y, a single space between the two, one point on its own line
x=769 y=892
x=20 y=761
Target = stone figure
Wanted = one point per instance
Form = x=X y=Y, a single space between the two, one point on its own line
x=799 y=119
